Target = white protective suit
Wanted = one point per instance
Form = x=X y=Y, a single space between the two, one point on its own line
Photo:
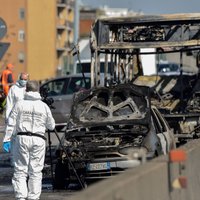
x=16 y=93
x=28 y=115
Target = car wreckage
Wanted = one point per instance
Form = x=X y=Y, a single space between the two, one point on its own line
x=120 y=125
x=111 y=129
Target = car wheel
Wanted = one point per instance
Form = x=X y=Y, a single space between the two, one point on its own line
x=61 y=181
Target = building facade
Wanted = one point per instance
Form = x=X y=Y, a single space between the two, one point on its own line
x=40 y=33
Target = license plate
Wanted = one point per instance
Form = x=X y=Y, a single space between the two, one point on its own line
x=98 y=166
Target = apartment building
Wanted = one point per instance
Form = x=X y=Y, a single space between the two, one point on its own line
x=40 y=33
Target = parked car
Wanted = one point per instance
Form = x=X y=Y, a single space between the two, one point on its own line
x=108 y=130
x=168 y=69
x=174 y=69
x=61 y=91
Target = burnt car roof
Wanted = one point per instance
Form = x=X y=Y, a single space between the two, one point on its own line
x=117 y=105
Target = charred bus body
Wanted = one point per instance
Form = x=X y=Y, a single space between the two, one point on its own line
x=121 y=40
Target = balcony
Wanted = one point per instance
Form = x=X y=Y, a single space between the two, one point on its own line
x=60 y=53
x=61 y=2
x=60 y=47
x=71 y=3
x=61 y=28
x=61 y=43
x=61 y=22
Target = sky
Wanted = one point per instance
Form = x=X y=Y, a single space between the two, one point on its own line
x=149 y=6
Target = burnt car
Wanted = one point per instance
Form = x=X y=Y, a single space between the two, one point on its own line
x=110 y=129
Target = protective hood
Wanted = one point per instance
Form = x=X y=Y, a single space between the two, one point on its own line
x=18 y=84
x=32 y=96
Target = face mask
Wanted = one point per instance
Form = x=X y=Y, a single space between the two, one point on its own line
x=22 y=82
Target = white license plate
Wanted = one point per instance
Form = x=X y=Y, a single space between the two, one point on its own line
x=98 y=166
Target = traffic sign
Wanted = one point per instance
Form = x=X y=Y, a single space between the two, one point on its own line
x=3 y=28
x=3 y=49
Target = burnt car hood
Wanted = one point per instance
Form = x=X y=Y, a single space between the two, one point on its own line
x=124 y=104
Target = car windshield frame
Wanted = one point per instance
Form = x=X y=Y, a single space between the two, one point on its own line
x=65 y=86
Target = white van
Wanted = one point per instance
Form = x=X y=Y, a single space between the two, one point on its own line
x=86 y=64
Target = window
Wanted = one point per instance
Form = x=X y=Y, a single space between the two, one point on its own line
x=55 y=87
x=21 y=57
x=21 y=36
x=77 y=84
x=21 y=13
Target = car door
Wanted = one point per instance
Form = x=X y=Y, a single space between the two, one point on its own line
x=55 y=90
x=164 y=132
x=63 y=102
x=62 y=91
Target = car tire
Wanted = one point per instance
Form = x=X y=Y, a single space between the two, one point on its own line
x=60 y=180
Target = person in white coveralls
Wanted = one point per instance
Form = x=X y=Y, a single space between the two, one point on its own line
x=16 y=92
x=27 y=122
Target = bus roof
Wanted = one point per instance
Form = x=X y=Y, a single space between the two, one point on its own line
x=143 y=31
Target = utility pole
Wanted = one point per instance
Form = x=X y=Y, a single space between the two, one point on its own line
x=76 y=21
x=76 y=25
